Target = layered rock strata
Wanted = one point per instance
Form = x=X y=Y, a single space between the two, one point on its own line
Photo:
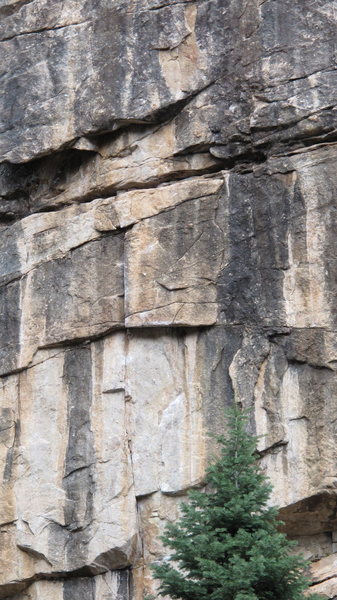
x=167 y=247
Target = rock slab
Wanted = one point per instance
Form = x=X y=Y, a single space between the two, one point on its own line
x=167 y=248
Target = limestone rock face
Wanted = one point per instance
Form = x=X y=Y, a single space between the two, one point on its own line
x=167 y=247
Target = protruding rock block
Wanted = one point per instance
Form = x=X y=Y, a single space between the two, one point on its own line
x=115 y=585
x=166 y=420
x=80 y=295
x=67 y=473
x=172 y=264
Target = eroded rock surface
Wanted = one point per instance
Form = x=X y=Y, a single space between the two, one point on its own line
x=167 y=247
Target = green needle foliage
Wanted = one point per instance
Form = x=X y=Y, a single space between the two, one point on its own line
x=226 y=546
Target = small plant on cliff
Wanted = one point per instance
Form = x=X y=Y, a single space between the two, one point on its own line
x=227 y=546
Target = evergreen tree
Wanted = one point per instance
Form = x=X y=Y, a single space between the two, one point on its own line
x=226 y=545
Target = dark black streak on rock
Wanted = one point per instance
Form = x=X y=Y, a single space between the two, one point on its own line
x=12 y=450
x=218 y=345
x=123 y=590
x=250 y=286
x=78 y=477
x=79 y=589
x=10 y=314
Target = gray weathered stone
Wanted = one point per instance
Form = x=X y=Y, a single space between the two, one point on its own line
x=167 y=247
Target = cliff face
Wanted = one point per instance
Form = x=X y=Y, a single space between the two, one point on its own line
x=167 y=244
